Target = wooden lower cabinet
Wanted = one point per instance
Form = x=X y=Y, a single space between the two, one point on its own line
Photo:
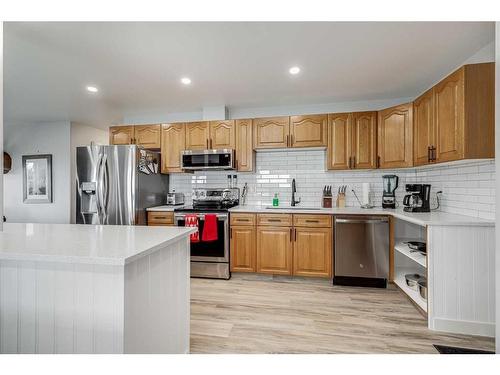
x=274 y=250
x=242 y=249
x=159 y=218
x=312 y=252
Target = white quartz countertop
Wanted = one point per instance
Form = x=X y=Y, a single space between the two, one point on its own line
x=89 y=244
x=164 y=208
x=435 y=218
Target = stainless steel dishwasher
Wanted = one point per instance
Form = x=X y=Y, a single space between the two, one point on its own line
x=361 y=255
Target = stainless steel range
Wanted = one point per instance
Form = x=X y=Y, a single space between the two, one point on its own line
x=210 y=259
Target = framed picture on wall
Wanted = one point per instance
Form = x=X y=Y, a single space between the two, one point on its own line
x=37 y=178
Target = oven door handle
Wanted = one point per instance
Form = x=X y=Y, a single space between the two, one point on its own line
x=222 y=217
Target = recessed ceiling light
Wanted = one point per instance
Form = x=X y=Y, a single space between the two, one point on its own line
x=294 y=70
x=186 y=80
x=92 y=89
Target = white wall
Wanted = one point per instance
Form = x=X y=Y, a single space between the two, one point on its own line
x=82 y=135
x=29 y=139
x=497 y=152
x=1 y=123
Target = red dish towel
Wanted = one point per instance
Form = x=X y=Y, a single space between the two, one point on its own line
x=210 y=228
x=192 y=221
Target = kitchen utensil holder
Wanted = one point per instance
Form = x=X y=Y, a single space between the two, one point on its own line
x=327 y=202
x=341 y=200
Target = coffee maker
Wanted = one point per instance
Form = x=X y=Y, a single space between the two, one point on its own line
x=390 y=182
x=418 y=199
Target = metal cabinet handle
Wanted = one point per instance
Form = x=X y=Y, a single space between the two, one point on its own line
x=274 y=220
x=354 y=161
x=231 y=233
x=378 y=161
x=433 y=153
x=291 y=140
x=294 y=234
x=287 y=141
x=312 y=221
x=291 y=236
x=242 y=220
x=159 y=217
x=350 y=159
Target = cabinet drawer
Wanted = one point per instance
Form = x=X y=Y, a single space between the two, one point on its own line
x=318 y=221
x=243 y=219
x=160 y=218
x=276 y=220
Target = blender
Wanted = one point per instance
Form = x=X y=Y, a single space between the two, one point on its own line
x=390 y=182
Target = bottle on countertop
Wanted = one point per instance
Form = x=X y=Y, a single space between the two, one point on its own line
x=276 y=201
x=235 y=181
x=229 y=181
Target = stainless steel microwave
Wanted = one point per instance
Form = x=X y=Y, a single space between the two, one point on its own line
x=196 y=160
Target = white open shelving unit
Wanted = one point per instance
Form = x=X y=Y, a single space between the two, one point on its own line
x=407 y=261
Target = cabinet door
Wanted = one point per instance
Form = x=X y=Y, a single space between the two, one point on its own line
x=197 y=135
x=243 y=249
x=339 y=141
x=222 y=134
x=272 y=132
x=245 y=155
x=158 y=218
x=312 y=252
x=449 y=117
x=364 y=126
x=395 y=137
x=148 y=136
x=172 y=143
x=121 y=135
x=423 y=127
x=308 y=131
x=274 y=250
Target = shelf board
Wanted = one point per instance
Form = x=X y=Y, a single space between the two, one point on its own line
x=400 y=281
x=415 y=256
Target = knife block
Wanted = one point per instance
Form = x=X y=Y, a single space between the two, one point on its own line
x=327 y=202
x=341 y=200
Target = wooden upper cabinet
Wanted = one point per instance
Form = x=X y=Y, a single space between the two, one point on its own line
x=121 y=135
x=364 y=126
x=245 y=155
x=312 y=252
x=272 y=132
x=197 y=135
x=274 y=250
x=449 y=117
x=242 y=249
x=423 y=128
x=148 y=136
x=172 y=143
x=395 y=137
x=339 y=141
x=308 y=131
x=222 y=134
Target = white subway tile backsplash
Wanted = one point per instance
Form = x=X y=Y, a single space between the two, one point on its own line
x=468 y=188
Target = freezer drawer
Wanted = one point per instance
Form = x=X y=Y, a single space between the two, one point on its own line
x=361 y=250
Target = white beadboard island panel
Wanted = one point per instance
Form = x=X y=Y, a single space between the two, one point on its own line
x=55 y=300
x=461 y=279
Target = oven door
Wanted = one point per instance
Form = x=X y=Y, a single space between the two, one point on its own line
x=207 y=159
x=210 y=251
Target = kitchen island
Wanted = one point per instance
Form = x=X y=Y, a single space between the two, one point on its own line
x=67 y=288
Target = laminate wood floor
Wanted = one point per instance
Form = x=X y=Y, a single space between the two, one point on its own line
x=265 y=314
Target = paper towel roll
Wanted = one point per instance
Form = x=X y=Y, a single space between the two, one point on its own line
x=366 y=193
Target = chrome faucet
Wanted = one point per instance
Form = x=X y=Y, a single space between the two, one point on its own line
x=294 y=190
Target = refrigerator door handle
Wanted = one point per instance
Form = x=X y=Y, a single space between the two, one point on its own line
x=100 y=188
x=105 y=181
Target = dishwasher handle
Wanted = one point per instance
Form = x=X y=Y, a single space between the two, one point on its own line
x=362 y=221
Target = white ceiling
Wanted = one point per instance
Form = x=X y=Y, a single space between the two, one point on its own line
x=137 y=66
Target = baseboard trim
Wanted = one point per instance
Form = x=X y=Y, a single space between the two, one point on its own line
x=463 y=327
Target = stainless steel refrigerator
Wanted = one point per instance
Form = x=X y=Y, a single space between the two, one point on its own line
x=115 y=184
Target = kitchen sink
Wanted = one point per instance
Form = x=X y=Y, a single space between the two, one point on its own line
x=292 y=208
